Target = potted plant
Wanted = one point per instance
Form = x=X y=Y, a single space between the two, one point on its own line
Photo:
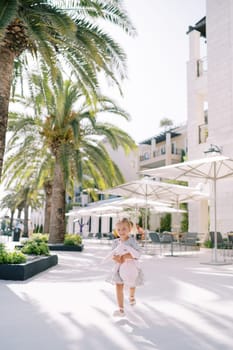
x=32 y=258
x=72 y=242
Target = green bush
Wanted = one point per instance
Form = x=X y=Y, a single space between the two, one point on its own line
x=165 y=223
x=72 y=239
x=40 y=237
x=16 y=258
x=208 y=244
x=185 y=219
x=3 y=254
x=36 y=245
x=11 y=257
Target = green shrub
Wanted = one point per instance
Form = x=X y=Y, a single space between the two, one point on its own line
x=36 y=245
x=2 y=248
x=16 y=258
x=72 y=239
x=11 y=257
x=165 y=222
x=3 y=254
x=208 y=244
x=184 y=224
x=40 y=237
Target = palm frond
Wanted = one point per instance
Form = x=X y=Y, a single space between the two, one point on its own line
x=8 y=9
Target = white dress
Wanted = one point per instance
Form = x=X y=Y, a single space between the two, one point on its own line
x=129 y=272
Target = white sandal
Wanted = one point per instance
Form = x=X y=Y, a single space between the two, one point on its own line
x=119 y=313
x=132 y=301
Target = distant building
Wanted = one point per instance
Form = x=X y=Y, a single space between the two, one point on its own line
x=129 y=167
x=167 y=147
x=127 y=163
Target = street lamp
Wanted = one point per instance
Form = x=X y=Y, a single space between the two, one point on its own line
x=214 y=149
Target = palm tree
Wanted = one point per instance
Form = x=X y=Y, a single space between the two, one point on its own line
x=20 y=198
x=10 y=202
x=27 y=159
x=166 y=123
x=55 y=36
x=70 y=138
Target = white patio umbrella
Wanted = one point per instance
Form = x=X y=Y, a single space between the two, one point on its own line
x=154 y=206
x=98 y=211
x=135 y=203
x=119 y=214
x=132 y=202
x=210 y=169
x=150 y=189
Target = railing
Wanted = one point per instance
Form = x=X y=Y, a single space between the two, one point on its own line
x=158 y=153
x=202 y=66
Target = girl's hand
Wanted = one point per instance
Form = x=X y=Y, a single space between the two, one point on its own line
x=126 y=257
x=117 y=258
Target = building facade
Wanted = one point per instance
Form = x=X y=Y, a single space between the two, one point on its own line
x=165 y=148
x=210 y=103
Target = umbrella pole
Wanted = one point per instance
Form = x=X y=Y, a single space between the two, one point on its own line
x=215 y=217
x=146 y=215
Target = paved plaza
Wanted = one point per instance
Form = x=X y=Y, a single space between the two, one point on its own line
x=184 y=305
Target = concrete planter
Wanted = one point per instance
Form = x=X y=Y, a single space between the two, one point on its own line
x=66 y=248
x=21 y=272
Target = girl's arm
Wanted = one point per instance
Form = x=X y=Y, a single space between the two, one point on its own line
x=133 y=251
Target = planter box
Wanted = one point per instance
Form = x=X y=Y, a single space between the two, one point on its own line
x=66 y=248
x=21 y=272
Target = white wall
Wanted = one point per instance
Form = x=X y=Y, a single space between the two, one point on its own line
x=219 y=84
x=128 y=163
x=220 y=98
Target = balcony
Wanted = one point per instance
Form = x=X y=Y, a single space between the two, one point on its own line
x=158 y=158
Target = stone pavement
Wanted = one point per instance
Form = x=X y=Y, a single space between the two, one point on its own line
x=184 y=305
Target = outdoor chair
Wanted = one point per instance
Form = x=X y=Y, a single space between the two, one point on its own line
x=155 y=240
x=111 y=236
x=166 y=238
x=230 y=239
x=98 y=235
x=90 y=235
x=189 y=241
x=221 y=243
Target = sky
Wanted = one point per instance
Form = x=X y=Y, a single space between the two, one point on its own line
x=157 y=56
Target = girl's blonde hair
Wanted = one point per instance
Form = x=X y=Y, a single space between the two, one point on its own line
x=125 y=221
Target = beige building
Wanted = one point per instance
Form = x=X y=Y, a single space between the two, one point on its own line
x=165 y=148
x=210 y=103
x=129 y=167
x=128 y=163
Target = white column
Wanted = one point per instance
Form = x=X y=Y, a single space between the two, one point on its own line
x=168 y=148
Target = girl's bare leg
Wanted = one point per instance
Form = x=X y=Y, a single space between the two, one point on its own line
x=132 y=295
x=120 y=295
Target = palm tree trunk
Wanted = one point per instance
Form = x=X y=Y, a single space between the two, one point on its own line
x=25 y=222
x=48 y=187
x=6 y=69
x=57 y=219
x=12 y=219
x=19 y=213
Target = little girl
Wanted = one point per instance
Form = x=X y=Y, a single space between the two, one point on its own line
x=126 y=271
